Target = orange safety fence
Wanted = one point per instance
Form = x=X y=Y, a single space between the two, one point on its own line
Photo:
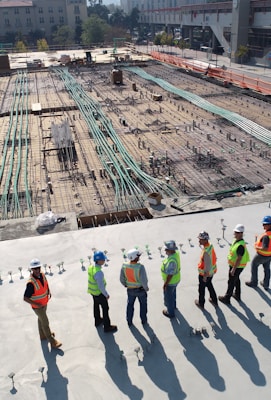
x=227 y=76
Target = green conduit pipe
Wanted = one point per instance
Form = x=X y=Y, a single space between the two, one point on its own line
x=245 y=124
x=127 y=192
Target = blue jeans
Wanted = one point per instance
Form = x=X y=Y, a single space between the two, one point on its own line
x=141 y=294
x=170 y=299
x=265 y=261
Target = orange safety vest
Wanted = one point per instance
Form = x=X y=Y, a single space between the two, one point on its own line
x=132 y=275
x=41 y=293
x=211 y=251
x=258 y=243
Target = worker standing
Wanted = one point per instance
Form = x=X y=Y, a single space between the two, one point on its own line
x=206 y=269
x=238 y=258
x=97 y=288
x=262 y=256
x=171 y=275
x=37 y=294
x=133 y=276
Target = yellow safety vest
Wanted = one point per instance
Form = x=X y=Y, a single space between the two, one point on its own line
x=176 y=277
x=93 y=287
x=232 y=256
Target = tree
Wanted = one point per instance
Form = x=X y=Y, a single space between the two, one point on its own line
x=94 y=30
x=183 y=44
x=20 y=47
x=42 y=45
x=133 y=19
x=99 y=10
x=64 y=35
x=242 y=52
x=118 y=18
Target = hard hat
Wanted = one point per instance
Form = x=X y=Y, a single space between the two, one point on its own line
x=133 y=254
x=203 y=235
x=99 y=255
x=239 y=228
x=170 y=245
x=35 y=263
x=266 y=220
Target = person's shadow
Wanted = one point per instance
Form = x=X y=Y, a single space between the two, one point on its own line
x=257 y=326
x=116 y=366
x=197 y=353
x=56 y=385
x=160 y=369
x=239 y=348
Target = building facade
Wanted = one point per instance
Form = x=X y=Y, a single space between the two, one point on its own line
x=216 y=24
x=27 y=16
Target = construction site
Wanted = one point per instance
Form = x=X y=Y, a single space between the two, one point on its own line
x=107 y=140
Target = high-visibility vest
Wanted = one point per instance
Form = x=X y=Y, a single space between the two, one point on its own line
x=93 y=287
x=40 y=295
x=132 y=275
x=265 y=252
x=232 y=256
x=176 y=277
x=211 y=251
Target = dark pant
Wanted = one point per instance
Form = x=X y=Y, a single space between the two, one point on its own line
x=258 y=259
x=141 y=294
x=234 y=284
x=209 y=285
x=98 y=301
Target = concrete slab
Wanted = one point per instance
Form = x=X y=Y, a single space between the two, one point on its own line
x=229 y=358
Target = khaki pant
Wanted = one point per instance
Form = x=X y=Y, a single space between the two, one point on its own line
x=43 y=324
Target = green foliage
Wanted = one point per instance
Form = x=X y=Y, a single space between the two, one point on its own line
x=20 y=47
x=63 y=35
x=94 y=30
x=99 y=10
x=42 y=45
x=166 y=39
x=242 y=52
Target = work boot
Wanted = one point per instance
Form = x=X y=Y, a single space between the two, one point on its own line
x=56 y=344
x=201 y=306
x=224 y=299
x=265 y=287
x=237 y=298
x=111 y=328
x=214 y=303
x=250 y=284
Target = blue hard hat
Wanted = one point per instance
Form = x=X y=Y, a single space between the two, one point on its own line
x=99 y=255
x=266 y=220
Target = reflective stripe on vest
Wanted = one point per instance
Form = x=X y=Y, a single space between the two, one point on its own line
x=176 y=277
x=232 y=256
x=209 y=249
x=131 y=272
x=264 y=252
x=93 y=287
x=40 y=294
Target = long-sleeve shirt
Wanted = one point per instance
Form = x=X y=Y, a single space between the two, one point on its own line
x=142 y=275
x=99 y=278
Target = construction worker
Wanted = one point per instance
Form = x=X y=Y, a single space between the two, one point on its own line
x=37 y=294
x=206 y=269
x=133 y=276
x=262 y=256
x=96 y=287
x=171 y=275
x=238 y=258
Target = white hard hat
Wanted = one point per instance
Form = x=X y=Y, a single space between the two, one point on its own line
x=133 y=254
x=35 y=263
x=239 y=228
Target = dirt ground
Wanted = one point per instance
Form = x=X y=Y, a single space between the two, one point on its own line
x=194 y=151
